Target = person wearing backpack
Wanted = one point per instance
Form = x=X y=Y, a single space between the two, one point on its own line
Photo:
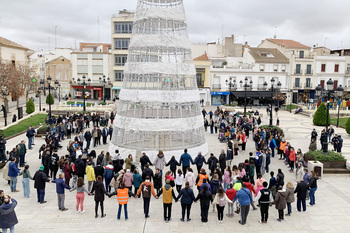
x=245 y=198
x=220 y=200
x=264 y=198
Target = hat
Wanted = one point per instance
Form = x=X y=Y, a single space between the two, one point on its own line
x=127 y=170
x=167 y=181
x=41 y=168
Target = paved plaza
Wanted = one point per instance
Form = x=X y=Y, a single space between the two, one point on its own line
x=330 y=214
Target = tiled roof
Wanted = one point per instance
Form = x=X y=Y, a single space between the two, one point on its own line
x=289 y=43
x=265 y=55
x=8 y=43
x=203 y=57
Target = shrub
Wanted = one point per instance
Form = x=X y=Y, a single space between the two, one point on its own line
x=318 y=155
x=30 y=107
x=320 y=116
x=49 y=99
x=347 y=126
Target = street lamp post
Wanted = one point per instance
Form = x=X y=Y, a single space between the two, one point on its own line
x=231 y=83
x=49 y=82
x=328 y=93
x=246 y=87
x=272 y=92
x=84 y=84
x=58 y=86
x=104 y=81
x=39 y=94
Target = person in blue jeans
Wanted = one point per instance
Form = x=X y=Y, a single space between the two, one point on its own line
x=13 y=173
x=40 y=179
x=108 y=175
x=123 y=194
x=26 y=177
x=313 y=187
x=8 y=218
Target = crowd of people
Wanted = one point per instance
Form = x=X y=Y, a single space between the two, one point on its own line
x=219 y=181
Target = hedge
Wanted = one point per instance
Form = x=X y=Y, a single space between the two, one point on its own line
x=30 y=107
x=318 y=155
x=320 y=116
x=22 y=126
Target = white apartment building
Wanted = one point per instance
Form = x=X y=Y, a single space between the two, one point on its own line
x=121 y=28
x=258 y=65
x=330 y=67
x=301 y=72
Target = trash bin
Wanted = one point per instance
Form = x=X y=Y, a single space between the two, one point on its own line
x=20 y=112
x=318 y=171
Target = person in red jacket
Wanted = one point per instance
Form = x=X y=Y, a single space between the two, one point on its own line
x=291 y=159
x=230 y=193
x=252 y=190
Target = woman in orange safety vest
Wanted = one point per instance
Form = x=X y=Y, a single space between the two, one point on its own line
x=123 y=194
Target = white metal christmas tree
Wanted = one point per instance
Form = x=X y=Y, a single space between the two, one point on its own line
x=159 y=106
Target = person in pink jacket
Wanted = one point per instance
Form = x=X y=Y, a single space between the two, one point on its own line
x=128 y=179
x=259 y=184
x=227 y=177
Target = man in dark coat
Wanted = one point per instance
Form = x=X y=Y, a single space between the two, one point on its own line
x=301 y=191
x=80 y=166
x=144 y=160
x=222 y=161
x=8 y=218
x=147 y=172
x=212 y=163
x=40 y=179
x=199 y=161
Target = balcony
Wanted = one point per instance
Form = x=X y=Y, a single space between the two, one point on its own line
x=297 y=86
x=218 y=86
x=305 y=57
x=298 y=72
x=308 y=86
x=309 y=72
x=200 y=84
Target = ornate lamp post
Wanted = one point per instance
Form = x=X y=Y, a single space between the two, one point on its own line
x=272 y=89
x=231 y=83
x=246 y=87
x=4 y=107
x=104 y=81
x=58 y=86
x=84 y=84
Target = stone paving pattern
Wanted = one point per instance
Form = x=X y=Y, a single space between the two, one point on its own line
x=330 y=214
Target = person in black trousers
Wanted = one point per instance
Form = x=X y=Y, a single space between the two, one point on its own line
x=301 y=191
x=205 y=198
x=100 y=193
x=186 y=201
x=264 y=198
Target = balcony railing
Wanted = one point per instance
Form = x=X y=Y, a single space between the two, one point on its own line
x=308 y=86
x=200 y=84
x=309 y=72
x=218 y=86
x=297 y=86
x=306 y=57
x=298 y=71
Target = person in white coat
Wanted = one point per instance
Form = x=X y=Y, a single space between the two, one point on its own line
x=190 y=177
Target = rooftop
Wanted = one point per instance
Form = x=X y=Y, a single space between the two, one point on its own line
x=267 y=55
x=203 y=57
x=289 y=43
x=9 y=43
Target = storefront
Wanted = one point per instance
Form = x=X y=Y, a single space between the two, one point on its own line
x=116 y=92
x=219 y=98
x=94 y=93
x=304 y=96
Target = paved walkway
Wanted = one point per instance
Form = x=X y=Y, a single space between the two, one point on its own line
x=330 y=214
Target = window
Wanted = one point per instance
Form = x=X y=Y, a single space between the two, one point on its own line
x=297 y=82
x=120 y=60
x=308 y=69
x=336 y=68
x=297 y=69
x=275 y=68
x=283 y=68
x=125 y=28
x=323 y=68
x=118 y=75
x=308 y=82
x=262 y=68
x=121 y=44
x=301 y=54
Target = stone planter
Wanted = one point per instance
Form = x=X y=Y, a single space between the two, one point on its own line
x=327 y=164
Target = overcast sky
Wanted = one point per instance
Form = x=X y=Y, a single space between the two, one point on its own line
x=312 y=22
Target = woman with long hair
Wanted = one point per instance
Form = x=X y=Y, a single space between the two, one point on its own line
x=80 y=195
x=227 y=177
x=25 y=181
x=220 y=200
x=313 y=187
x=187 y=198
x=290 y=197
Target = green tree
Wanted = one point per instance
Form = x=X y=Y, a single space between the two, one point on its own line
x=30 y=107
x=347 y=126
x=49 y=99
x=320 y=116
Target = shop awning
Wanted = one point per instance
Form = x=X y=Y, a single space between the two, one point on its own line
x=116 y=88
x=252 y=94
